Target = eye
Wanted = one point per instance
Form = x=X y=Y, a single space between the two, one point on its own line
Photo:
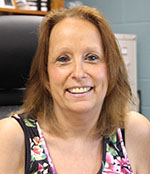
x=92 y=58
x=63 y=59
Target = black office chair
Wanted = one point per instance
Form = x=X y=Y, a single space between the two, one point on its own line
x=18 y=42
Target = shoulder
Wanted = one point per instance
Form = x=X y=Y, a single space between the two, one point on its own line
x=10 y=127
x=11 y=144
x=138 y=141
x=137 y=126
x=11 y=133
x=138 y=123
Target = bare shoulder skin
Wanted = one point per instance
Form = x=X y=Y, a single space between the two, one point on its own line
x=138 y=142
x=12 y=148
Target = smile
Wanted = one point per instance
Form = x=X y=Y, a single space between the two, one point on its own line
x=79 y=90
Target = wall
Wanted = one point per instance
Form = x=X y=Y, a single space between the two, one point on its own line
x=131 y=17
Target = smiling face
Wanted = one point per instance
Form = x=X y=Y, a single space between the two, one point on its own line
x=76 y=67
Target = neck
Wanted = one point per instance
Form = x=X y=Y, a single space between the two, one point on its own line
x=77 y=124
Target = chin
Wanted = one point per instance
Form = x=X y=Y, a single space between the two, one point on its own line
x=82 y=108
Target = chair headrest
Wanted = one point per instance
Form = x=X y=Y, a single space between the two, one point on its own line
x=18 y=42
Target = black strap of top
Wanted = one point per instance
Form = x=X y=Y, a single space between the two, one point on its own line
x=123 y=135
x=27 y=144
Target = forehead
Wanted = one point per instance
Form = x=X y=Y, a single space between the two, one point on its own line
x=75 y=23
x=72 y=27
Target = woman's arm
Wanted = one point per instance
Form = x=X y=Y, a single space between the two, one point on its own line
x=137 y=134
x=12 y=148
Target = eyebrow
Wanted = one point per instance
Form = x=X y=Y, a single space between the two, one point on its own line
x=90 y=48
x=93 y=49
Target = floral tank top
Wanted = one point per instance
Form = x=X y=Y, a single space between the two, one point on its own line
x=38 y=160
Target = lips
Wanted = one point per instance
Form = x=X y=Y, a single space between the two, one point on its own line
x=79 y=90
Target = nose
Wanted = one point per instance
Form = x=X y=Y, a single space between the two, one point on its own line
x=79 y=70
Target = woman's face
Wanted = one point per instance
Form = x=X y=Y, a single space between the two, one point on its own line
x=76 y=67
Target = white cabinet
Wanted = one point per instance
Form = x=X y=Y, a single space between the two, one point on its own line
x=127 y=44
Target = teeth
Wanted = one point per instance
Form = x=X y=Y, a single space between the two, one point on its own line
x=79 y=90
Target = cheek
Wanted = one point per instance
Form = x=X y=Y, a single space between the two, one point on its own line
x=101 y=75
x=56 y=75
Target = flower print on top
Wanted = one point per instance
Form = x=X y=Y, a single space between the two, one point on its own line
x=117 y=161
x=36 y=158
x=38 y=161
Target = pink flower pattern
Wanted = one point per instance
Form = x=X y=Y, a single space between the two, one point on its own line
x=117 y=161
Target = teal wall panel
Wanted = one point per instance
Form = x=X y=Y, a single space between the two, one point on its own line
x=136 y=10
x=143 y=68
x=144 y=85
x=146 y=112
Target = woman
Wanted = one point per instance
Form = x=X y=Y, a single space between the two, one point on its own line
x=76 y=105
